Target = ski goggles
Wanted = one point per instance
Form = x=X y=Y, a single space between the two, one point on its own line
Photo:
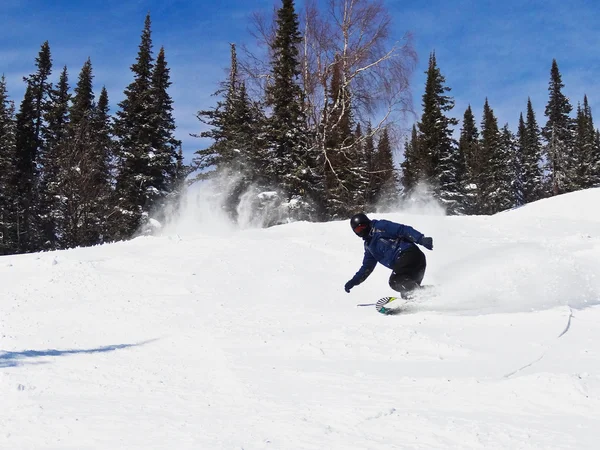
x=360 y=228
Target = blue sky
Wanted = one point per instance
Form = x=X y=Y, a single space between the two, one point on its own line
x=500 y=50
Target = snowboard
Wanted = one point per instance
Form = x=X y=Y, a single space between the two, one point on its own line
x=390 y=305
x=397 y=305
x=383 y=305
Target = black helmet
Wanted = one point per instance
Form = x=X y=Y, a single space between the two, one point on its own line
x=361 y=224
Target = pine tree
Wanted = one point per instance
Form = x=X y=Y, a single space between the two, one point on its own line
x=451 y=171
x=531 y=149
x=583 y=148
x=437 y=149
x=284 y=94
x=221 y=154
x=40 y=90
x=293 y=167
x=97 y=189
x=163 y=164
x=247 y=123
x=508 y=172
x=52 y=161
x=592 y=151
x=181 y=172
x=558 y=134
x=579 y=151
x=7 y=177
x=76 y=181
x=410 y=170
x=25 y=174
x=133 y=128
x=470 y=151
x=237 y=153
x=520 y=149
x=490 y=151
x=30 y=147
x=386 y=181
x=595 y=168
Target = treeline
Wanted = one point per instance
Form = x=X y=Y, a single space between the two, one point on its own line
x=72 y=175
x=491 y=169
x=305 y=130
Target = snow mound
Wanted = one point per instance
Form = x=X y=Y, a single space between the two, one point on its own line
x=580 y=205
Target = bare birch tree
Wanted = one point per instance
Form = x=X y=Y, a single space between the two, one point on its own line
x=353 y=72
x=375 y=69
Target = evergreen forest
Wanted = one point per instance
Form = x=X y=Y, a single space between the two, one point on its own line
x=312 y=128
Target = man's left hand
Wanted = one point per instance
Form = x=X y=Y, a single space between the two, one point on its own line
x=426 y=242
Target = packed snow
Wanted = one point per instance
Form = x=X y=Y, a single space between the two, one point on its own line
x=213 y=337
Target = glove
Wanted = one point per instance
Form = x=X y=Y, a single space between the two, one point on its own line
x=426 y=242
x=349 y=285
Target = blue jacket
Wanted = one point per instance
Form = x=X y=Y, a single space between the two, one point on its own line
x=383 y=244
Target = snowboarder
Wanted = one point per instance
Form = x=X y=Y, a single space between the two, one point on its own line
x=393 y=245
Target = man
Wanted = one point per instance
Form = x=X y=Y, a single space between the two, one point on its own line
x=394 y=246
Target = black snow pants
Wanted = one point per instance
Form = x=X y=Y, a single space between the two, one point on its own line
x=408 y=271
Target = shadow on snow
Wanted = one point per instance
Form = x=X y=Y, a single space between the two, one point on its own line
x=15 y=359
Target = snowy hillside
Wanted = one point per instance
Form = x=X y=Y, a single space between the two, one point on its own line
x=215 y=338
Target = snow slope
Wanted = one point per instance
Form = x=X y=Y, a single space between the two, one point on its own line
x=216 y=338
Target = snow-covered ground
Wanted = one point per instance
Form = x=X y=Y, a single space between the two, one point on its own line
x=215 y=338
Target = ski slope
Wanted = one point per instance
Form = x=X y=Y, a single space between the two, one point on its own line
x=215 y=338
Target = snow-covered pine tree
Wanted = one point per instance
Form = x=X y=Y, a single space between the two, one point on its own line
x=181 y=172
x=30 y=121
x=593 y=157
x=386 y=178
x=7 y=177
x=583 y=147
x=595 y=170
x=558 y=136
x=410 y=169
x=40 y=87
x=99 y=177
x=531 y=151
x=162 y=165
x=520 y=149
x=52 y=162
x=25 y=175
x=451 y=171
x=437 y=149
x=470 y=149
x=368 y=150
x=509 y=171
x=237 y=153
x=76 y=182
x=491 y=159
x=460 y=194
x=247 y=139
x=221 y=155
x=134 y=191
x=292 y=166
